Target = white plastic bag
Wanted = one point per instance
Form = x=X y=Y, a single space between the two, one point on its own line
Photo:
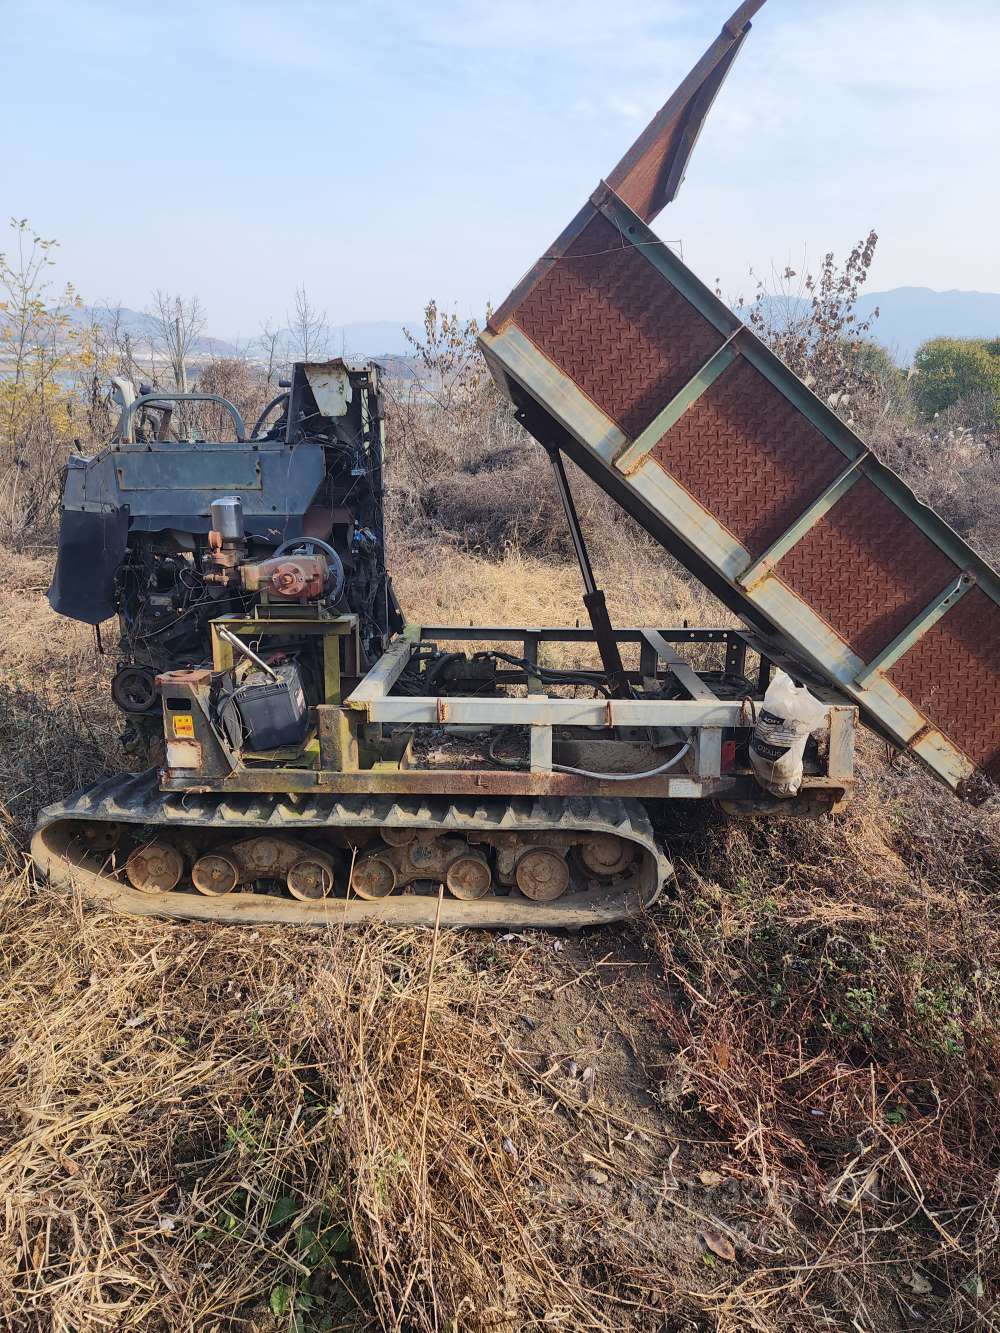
x=788 y=717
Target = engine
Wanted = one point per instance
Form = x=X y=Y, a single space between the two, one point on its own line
x=168 y=532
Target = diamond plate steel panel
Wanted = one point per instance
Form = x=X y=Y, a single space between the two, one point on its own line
x=952 y=675
x=866 y=569
x=610 y=322
x=749 y=456
x=633 y=330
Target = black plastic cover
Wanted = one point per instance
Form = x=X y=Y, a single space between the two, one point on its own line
x=91 y=547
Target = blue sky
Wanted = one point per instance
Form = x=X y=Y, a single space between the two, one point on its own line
x=387 y=152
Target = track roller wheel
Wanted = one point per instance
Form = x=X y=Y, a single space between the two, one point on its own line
x=214 y=874
x=542 y=875
x=469 y=877
x=311 y=878
x=155 y=867
x=604 y=855
x=373 y=877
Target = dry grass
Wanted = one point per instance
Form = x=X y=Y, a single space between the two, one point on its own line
x=207 y=1126
x=214 y=1129
x=834 y=1014
x=441 y=585
x=222 y=1129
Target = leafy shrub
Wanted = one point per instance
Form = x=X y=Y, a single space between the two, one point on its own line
x=958 y=370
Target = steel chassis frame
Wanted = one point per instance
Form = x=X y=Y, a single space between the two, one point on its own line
x=355 y=757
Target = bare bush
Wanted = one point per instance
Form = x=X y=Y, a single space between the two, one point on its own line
x=811 y=322
x=951 y=467
x=461 y=468
x=178 y=322
x=835 y=1018
x=243 y=382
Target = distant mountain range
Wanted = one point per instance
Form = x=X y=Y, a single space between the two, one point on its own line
x=377 y=338
x=908 y=316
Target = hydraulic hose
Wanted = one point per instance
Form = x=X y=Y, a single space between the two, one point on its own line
x=586 y=772
x=625 y=777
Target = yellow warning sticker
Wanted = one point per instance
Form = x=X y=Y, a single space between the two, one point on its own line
x=183 y=724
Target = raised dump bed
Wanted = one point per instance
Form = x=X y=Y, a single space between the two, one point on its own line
x=615 y=353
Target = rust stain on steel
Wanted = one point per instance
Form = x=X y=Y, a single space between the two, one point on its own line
x=921 y=735
x=652 y=171
x=457 y=782
x=751 y=457
x=444 y=782
x=199 y=676
x=867 y=569
x=632 y=330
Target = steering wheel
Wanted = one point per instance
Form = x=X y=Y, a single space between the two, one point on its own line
x=309 y=546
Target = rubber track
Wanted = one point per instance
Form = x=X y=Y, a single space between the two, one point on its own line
x=137 y=799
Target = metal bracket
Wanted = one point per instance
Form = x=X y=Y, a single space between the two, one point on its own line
x=685 y=674
x=918 y=627
x=126 y=428
x=593 y=597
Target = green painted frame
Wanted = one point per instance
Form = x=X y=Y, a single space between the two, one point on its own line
x=918 y=627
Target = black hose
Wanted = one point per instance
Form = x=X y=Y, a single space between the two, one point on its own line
x=279 y=398
x=551 y=675
x=438 y=665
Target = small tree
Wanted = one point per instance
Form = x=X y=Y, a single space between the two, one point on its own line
x=38 y=349
x=243 y=382
x=449 y=356
x=105 y=350
x=958 y=370
x=177 y=323
x=310 y=332
x=271 y=341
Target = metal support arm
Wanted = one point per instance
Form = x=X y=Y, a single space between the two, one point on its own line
x=593 y=599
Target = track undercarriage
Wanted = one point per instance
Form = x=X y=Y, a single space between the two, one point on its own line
x=314 y=860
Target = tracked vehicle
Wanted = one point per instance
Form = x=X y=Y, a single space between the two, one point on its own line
x=325 y=761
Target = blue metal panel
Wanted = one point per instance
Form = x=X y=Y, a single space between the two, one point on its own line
x=170 y=485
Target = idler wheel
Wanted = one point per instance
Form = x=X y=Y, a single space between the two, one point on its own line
x=213 y=874
x=311 y=878
x=373 y=877
x=605 y=855
x=542 y=875
x=155 y=867
x=100 y=837
x=398 y=837
x=469 y=877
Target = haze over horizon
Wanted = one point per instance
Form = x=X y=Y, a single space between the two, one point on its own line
x=237 y=151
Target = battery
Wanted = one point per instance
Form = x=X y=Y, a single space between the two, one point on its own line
x=273 y=713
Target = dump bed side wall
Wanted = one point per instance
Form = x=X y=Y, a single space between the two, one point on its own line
x=614 y=350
